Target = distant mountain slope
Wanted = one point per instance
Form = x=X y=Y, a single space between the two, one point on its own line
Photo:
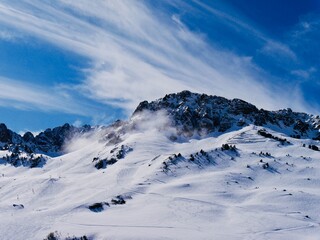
x=28 y=150
x=49 y=141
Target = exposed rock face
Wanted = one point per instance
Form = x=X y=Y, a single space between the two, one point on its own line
x=5 y=134
x=28 y=137
x=51 y=140
x=197 y=113
x=8 y=136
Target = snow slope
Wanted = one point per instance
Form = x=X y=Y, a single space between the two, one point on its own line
x=219 y=195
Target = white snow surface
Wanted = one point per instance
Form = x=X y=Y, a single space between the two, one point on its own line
x=224 y=195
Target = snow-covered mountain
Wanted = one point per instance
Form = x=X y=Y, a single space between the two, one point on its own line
x=186 y=166
x=204 y=114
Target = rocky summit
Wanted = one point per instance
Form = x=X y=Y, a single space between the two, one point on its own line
x=200 y=113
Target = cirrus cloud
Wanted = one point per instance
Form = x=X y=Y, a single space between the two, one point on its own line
x=138 y=53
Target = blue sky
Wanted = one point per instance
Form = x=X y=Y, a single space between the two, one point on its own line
x=92 y=62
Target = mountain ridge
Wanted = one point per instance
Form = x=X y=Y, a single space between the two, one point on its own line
x=190 y=114
x=134 y=180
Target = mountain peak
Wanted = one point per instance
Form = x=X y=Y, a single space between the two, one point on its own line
x=196 y=113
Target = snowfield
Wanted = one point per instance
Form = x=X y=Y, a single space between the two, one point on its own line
x=164 y=189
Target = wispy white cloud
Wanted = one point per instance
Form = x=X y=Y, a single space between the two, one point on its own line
x=304 y=38
x=140 y=54
x=304 y=74
x=21 y=95
x=7 y=36
x=270 y=46
x=278 y=50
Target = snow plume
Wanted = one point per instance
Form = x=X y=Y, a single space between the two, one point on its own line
x=158 y=122
x=82 y=140
x=146 y=122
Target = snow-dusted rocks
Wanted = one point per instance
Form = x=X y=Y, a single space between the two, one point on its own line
x=117 y=153
x=51 y=140
x=30 y=150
